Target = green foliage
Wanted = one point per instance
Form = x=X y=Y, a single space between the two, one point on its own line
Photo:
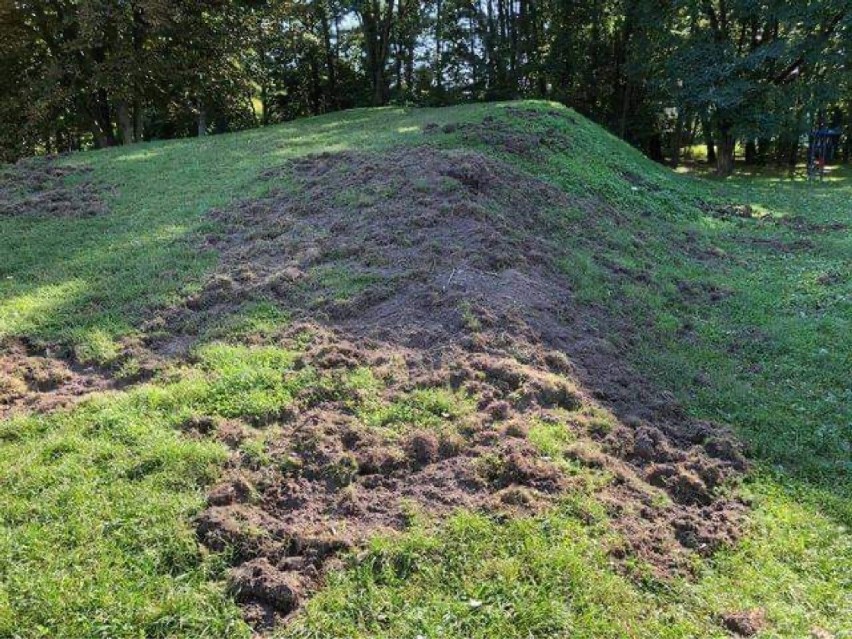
x=95 y=533
x=759 y=70
x=100 y=72
x=421 y=408
x=547 y=577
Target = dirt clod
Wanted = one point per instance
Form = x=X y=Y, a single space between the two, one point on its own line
x=265 y=590
x=745 y=623
x=423 y=447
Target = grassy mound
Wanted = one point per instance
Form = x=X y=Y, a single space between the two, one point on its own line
x=298 y=323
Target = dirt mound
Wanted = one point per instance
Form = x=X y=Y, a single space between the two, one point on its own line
x=394 y=245
x=745 y=623
x=437 y=270
x=332 y=481
x=41 y=188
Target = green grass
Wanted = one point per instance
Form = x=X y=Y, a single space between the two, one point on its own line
x=547 y=577
x=477 y=578
x=95 y=524
x=95 y=539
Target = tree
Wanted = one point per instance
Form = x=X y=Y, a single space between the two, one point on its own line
x=656 y=72
x=91 y=68
x=749 y=65
x=377 y=22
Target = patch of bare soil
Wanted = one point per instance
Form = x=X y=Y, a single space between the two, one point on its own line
x=34 y=379
x=41 y=188
x=437 y=269
x=40 y=382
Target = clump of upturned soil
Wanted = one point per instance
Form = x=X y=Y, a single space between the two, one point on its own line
x=332 y=481
x=41 y=188
x=32 y=379
x=745 y=623
x=437 y=270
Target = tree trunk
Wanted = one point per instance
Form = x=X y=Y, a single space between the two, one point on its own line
x=725 y=157
x=677 y=139
x=315 y=93
x=707 y=132
x=439 y=66
x=125 y=122
x=138 y=121
x=140 y=33
x=330 y=65
x=751 y=152
x=379 y=86
x=793 y=157
x=101 y=123
x=763 y=147
x=99 y=137
x=377 y=27
x=264 y=103
x=711 y=150
x=397 y=70
x=655 y=147
x=202 y=122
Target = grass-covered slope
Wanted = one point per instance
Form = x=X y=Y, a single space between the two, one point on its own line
x=733 y=297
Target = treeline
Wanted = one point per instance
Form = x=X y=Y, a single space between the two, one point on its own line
x=662 y=74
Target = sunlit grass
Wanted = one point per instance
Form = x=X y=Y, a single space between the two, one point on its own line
x=95 y=534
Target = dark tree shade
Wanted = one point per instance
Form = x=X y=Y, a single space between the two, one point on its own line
x=662 y=74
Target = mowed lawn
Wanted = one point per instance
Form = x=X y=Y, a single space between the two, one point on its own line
x=96 y=535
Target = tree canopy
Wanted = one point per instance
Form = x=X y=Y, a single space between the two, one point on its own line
x=659 y=73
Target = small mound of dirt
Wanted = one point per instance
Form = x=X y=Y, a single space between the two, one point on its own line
x=331 y=482
x=745 y=623
x=264 y=589
x=46 y=189
x=228 y=431
x=405 y=241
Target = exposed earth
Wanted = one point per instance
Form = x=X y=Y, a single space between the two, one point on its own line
x=450 y=285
